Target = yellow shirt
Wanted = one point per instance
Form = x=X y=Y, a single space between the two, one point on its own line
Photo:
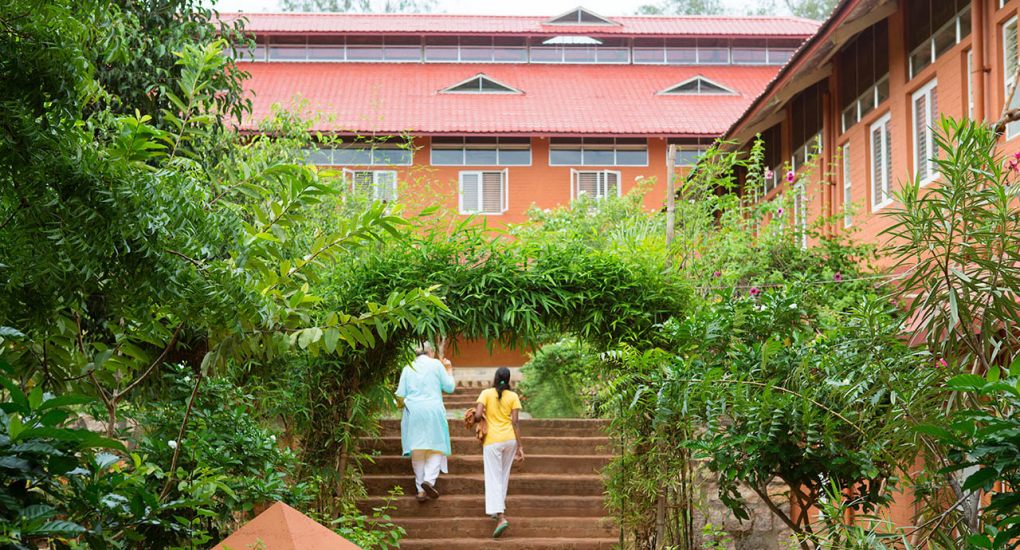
x=497 y=414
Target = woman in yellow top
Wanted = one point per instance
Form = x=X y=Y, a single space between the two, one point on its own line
x=502 y=445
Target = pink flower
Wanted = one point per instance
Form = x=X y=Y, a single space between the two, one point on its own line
x=717 y=274
x=1014 y=166
x=779 y=212
x=769 y=173
x=790 y=176
x=837 y=277
x=1016 y=156
x=754 y=291
x=941 y=363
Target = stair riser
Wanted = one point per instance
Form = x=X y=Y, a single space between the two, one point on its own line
x=458 y=430
x=588 y=425
x=466 y=464
x=474 y=485
x=510 y=543
x=534 y=445
x=482 y=527
x=523 y=507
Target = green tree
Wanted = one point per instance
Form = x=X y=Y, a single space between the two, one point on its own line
x=811 y=9
x=683 y=7
x=360 y=6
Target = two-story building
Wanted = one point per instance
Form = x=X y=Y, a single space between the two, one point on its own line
x=506 y=113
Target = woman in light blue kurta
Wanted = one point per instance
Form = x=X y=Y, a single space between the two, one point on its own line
x=424 y=431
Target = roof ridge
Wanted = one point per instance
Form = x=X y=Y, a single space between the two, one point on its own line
x=520 y=17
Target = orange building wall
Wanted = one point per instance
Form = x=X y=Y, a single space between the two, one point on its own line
x=421 y=184
x=950 y=70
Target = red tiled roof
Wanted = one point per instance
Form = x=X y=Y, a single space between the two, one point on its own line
x=488 y=24
x=557 y=99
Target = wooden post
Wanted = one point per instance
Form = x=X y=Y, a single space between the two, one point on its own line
x=670 y=194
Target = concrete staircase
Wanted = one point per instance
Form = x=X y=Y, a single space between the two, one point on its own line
x=555 y=499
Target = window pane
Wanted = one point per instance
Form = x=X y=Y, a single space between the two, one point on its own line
x=403 y=53
x=920 y=58
x=318 y=156
x=287 y=53
x=597 y=157
x=475 y=54
x=945 y=38
x=649 y=55
x=564 y=157
x=630 y=157
x=364 y=53
x=515 y=157
x=750 y=56
x=716 y=56
x=510 y=55
x=682 y=56
x=352 y=155
x=613 y=55
x=688 y=157
x=579 y=55
x=546 y=55
x=447 y=157
x=492 y=192
x=393 y=156
x=441 y=53
x=779 y=57
x=481 y=156
x=325 y=53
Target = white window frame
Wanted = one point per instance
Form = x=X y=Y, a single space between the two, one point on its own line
x=929 y=42
x=600 y=194
x=504 y=182
x=463 y=148
x=848 y=219
x=615 y=148
x=1013 y=128
x=350 y=176
x=882 y=123
x=928 y=91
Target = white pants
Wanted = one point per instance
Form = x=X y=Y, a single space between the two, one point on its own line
x=427 y=465
x=497 y=458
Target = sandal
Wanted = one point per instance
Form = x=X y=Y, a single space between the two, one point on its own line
x=430 y=490
x=500 y=528
x=422 y=497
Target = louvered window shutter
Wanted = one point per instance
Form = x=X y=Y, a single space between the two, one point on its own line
x=877 y=160
x=921 y=135
x=492 y=192
x=470 y=192
x=588 y=182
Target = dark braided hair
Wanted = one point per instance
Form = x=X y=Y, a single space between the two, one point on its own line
x=502 y=381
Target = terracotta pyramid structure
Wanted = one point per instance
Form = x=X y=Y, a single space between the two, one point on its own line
x=283 y=528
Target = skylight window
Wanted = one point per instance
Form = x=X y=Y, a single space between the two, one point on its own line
x=580 y=16
x=698 y=85
x=480 y=84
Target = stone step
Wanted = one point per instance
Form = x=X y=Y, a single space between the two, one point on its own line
x=533 y=445
x=574 y=427
x=530 y=527
x=508 y=542
x=472 y=464
x=522 y=506
x=474 y=484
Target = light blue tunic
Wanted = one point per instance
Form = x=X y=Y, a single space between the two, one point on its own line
x=423 y=424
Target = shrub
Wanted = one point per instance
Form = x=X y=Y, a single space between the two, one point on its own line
x=558 y=382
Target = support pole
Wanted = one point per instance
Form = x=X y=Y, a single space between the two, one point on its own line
x=670 y=194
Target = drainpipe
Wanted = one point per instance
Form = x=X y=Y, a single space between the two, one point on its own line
x=978 y=69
